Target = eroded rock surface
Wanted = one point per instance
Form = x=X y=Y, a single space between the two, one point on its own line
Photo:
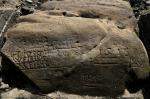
x=80 y=47
x=8 y=4
x=117 y=10
x=73 y=54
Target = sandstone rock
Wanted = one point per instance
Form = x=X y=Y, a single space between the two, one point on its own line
x=81 y=47
x=72 y=54
x=117 y=10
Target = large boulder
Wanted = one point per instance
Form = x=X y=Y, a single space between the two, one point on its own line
x=84 y=47
x=72 y=54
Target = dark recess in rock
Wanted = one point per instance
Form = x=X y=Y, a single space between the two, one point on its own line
x=144 y=31
x=138 y=6
x=141 y=10
x=15 y=78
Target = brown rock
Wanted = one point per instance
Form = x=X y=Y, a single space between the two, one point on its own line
x=73 y=54
x=82 y=47
x=117 y=10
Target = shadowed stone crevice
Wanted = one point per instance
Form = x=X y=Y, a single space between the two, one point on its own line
x=15 y=78
x=141 y=10
x=144 y=30
x=7 y=19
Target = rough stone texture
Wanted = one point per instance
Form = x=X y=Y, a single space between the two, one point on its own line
x=73 y=54
x=8 y=93
x=144 y=24
x=7 y=18
x=117 y=10
x=21 y=94
x=80 y=47
x=8 y=4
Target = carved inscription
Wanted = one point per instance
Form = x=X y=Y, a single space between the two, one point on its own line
x=42 y=57
x=30 y=59
x=56 y=58
x=90 y=78
x=112 y=56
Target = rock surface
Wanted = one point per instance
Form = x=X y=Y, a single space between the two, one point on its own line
x=8 y=4
x=73 y=54
x=7 y=19
x=81 y=47
x=15 y=93
x=117 y=10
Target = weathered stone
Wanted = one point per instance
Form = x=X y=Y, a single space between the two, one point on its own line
x=7 y=4
x=77 y=46
x=117 y=10
x=7 y=19
x=17 y=94
x=73 y=54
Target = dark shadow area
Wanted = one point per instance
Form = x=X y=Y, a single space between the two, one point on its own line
x=144 y=34
x=91 y=14
x=16 y=78
x=144 y=31
x=138 y=6
x=26 y=11
x=134 y=85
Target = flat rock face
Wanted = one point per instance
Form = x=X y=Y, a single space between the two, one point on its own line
x=57 y=50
